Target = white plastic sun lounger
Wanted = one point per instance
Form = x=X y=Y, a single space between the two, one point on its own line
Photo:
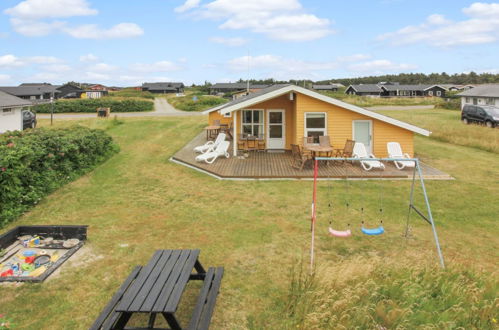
x=359 y=151
x=210 y=145
x=395 y=151
x=211 y=156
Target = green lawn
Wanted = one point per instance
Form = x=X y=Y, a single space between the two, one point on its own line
x=139 y=201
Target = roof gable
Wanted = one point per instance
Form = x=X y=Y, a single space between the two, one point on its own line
x=7 y=100
x=278 y=90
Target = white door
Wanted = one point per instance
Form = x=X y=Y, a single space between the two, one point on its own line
x=362 y=132
x=276 y=127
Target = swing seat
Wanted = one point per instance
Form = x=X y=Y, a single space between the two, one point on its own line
x=373 y=231
x=340 y=233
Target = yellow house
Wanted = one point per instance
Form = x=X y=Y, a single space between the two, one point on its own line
x=284 y=114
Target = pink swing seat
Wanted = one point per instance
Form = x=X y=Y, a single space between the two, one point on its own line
x=340 y=233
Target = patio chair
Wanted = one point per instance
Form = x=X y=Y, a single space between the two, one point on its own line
x=325 y=141
x=299 y=158
x=210 y=145
x=210 y=157
x=359 y=151
x=395 y=151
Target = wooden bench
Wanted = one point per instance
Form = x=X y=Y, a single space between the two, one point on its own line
x=156 y=289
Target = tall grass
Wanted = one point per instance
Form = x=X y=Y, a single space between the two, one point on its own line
x=203 y=102
x=446 y=126
x=366 y=101
x=378 y=293
x=130 y=92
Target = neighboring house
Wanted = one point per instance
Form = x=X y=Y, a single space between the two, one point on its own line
x=94 y=94
x=163 y=87
x=35 y=92
x=235 y=87
x=412 y=90
x=455 y=88
x=97 y=87
x=70 y=91
x=481 y=95
x=364 y=90
x=388 y=89
x=11 y=112
x=285 y=114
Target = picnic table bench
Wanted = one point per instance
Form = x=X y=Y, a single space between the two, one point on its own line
x=156 y=289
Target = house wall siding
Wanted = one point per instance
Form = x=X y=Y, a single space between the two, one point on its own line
x=339 y=126
x=11 y=121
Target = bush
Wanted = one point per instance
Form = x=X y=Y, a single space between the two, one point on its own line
x=204 y=102
x=130 y=92
x=451 y=104
x=91 y=105
x=36 y=162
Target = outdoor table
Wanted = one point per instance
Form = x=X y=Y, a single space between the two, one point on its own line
x=211 y=131
x=316 y=149
x=159 y=285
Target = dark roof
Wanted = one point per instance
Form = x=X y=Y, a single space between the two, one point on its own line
x=241 y=85
x=483 y=90
x=325 y=87
x=30 y=89
x=249 y=96
x=366 y=88
x=7 y=100
x=163 y=85
x=408 y=87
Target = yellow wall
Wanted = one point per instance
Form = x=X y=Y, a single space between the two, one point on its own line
x=339 y=126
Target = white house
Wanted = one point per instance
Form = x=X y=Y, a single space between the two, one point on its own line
x=481 y=95
x=11 y=112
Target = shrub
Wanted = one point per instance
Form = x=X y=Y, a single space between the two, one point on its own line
x=91 y=105
x=204 y=102
x=130 y=92
x=36 y=162
x=450 y=104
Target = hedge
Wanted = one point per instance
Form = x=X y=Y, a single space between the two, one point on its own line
x=186 y=103
x=36 y=162
x=91 y=105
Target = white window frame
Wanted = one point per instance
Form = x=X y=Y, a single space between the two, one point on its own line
x=438 y=93
x=430 y=93
x=371 y=137
x=413 y=93
x=252 y=123
x=306 y=130
x=7 y=111
x=227 y=115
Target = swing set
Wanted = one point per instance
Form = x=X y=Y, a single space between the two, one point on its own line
x=375 y=231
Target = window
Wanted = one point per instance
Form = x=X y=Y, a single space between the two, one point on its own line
x=252 y=122
x=468 y=100
x=475 y=101
x=315 y=125
x=228 y=115
x=430 y=93
x=439 y=93
x=7 y=111
x=413 y=93
x=490 y=101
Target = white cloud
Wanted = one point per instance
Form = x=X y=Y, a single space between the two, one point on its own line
x=481 y=27
x=381 y=67
x=43 y=59
x=89 y=58
x=9 y=61
x=36 y=18
x=93 y=31
x=4 y=78
x=277 y=19
x=36 y=9
x=60 y=68
x=232 y=42
x=161 y=66
x=189 y=4
x=353 y=58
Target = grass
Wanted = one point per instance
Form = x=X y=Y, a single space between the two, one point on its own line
x=446 y=126
x=203 y=102
x=130 y=92
x=138 y=202
x=366 y=101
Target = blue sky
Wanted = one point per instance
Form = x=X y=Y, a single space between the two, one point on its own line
x=127 y=43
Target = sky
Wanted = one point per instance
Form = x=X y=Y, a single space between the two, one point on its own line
x=126 y=43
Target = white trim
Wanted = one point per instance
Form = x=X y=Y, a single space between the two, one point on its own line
x=371 y=138
x=427 y=88
x=234 y=131
x=314 y=129
x=327 y=99
x=253 y=124
x=283 y=128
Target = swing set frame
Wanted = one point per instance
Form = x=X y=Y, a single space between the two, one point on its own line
x=417 y=168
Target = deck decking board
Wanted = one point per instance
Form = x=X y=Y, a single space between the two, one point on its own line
x=273 y=165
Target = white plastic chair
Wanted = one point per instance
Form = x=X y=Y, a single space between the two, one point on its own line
x=211 y=156
x=359 y=151
x=395 y=151
x=210 y=145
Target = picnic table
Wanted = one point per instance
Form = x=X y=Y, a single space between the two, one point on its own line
x=212 y=131
x=156 y=289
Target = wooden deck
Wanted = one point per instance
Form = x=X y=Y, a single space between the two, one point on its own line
x=275 y=165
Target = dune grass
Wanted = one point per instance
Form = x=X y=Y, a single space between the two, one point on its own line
x=202 y=102
x=367 y=101
x=446 y=126
x=138 y=201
